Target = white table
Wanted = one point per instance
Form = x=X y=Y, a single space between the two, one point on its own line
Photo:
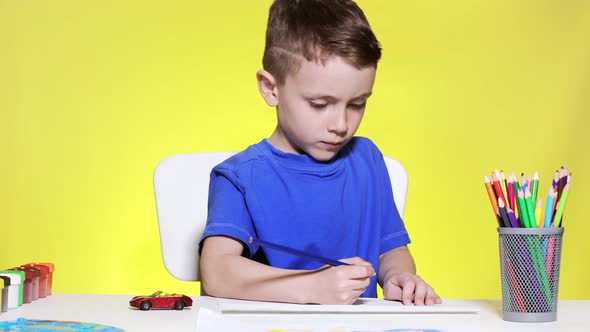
x=113 y=310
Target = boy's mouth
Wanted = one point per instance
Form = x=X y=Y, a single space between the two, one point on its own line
x=333 y=144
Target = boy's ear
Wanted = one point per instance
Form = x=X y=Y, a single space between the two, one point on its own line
x=267 y=87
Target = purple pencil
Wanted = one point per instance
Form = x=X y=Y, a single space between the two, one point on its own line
x=512 y=218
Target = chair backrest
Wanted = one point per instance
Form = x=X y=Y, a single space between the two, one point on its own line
x=181 y=186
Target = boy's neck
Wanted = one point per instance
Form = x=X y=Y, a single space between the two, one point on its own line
x=280 y=142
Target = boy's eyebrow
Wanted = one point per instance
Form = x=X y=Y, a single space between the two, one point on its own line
x=364 y=95
x=329 y=97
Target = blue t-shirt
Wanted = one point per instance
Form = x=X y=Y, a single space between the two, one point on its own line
x=337 y=209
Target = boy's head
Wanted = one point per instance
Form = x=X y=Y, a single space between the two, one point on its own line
x=315 y=30
x=319 y=68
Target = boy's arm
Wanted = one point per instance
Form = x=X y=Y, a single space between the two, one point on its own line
x=225 y=273
x=397 y=275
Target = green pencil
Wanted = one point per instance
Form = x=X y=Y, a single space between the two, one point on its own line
x=530 y=207
x=522 y=209
x=535 y=185
x=561 y=206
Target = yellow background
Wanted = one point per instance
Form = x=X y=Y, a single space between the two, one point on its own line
x=94 y=94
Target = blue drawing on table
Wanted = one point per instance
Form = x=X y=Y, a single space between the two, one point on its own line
x=22 y=324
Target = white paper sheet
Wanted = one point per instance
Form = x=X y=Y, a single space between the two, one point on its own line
x=209 y=320
x=363 y=306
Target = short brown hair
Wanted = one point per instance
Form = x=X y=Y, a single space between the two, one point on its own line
x=316 y=30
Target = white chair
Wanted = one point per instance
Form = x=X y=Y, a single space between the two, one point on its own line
x=181 y=185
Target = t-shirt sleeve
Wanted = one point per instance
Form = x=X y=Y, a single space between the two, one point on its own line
x=393 y=231
x=228 y=213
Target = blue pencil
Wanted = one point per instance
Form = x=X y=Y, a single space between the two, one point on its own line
x=295 y=252
x=549 y=208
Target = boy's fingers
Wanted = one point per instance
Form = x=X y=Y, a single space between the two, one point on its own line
x=359 y=271
x=437 y=299
x=420 y=293
x=393 y=293
x=408 y=288
x=364 y=271
x=430 y=296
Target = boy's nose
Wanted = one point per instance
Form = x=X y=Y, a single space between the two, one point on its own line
x=338 y=123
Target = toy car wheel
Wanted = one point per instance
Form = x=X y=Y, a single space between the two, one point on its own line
x=179 y=305
x=145 y=305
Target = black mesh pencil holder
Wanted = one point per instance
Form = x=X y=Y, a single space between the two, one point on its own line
x=529 y=269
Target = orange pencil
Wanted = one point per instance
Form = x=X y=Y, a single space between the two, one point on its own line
x=492 y=197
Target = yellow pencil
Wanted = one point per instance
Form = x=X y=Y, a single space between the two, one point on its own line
x=502 y=180
x=538 y=213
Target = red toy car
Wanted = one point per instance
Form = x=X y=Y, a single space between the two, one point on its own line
x=162 y=301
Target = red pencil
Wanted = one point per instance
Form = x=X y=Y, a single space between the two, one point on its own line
x=497 y=187
x=517 y=295
x=510 y=190
x=492 y=198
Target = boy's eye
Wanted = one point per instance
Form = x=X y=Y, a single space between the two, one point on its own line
x=358 y=106
x=317 y=106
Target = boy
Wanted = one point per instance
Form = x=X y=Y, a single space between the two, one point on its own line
x=311 y=185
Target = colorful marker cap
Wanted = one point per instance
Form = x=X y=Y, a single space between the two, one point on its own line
x=36 y=278
x=51 y=267
x=13 y=289
x=43 y=276
x=32 y=280
x=21 y=285
x=5 y=285
x=1 y=298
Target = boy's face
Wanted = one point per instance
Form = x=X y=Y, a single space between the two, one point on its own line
x=320 y=107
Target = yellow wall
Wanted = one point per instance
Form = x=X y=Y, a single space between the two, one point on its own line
x=94 y=94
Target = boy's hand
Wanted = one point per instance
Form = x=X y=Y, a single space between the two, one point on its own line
x=341 y=284
x=408 y=288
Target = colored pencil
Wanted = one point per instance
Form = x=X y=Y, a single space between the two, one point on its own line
x=561 y=182
x=514 y=195
x=549 y=256
x=538 y=209
x=519 y=204
x=561 y=206
x=549 y=208
x=530 y=208
x=515 y=285
x=512 y=218
x=523 y=210
x=502 y=184
x=503 y=214
x=510 y=192
x=296 y=252
x=555 y=178
x=492 y=197
x=535 y=186
x=497 y=187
